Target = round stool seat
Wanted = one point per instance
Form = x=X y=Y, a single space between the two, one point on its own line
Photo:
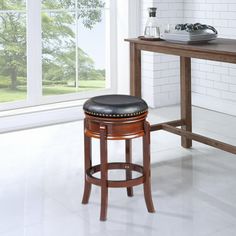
x=115 y=106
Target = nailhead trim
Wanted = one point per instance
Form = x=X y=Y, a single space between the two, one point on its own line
x=115 y=115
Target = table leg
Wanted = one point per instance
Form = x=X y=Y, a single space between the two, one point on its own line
x=186 y=101
x=135 y=71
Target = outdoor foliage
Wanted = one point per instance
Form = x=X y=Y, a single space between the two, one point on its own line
x=58 y=41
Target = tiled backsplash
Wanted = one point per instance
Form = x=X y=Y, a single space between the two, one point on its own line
x=213 y=83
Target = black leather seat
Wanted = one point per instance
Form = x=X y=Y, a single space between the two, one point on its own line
x=115 y=105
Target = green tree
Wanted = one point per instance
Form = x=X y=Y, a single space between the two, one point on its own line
x=12 y=46
x=12 y=5
x=58 y=38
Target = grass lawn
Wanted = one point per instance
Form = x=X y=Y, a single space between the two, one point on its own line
x=7 y=95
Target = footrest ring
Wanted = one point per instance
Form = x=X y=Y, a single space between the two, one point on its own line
x=116 y=183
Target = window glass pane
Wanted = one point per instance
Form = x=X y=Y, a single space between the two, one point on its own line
x=59 y=56
x=92 y=46
x=12 y=4
x=74 y=49
x=89 y=4
x=13 y=80
x=58 y=4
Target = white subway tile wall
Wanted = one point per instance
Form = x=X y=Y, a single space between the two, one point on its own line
x=162 y=70
x=211 y=81
x=217 y=80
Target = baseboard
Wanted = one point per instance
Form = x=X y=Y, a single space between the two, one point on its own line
x=40 y=118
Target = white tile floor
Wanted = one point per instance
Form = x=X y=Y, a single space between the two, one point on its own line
x=194 y=191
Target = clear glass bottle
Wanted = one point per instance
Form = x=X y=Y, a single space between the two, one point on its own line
x=152 y=29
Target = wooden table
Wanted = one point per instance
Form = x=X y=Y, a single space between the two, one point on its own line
x=223 y=50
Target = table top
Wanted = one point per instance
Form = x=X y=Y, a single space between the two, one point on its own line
x=220 y=49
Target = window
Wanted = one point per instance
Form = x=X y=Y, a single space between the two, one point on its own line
x=13 y=82
x=55 y=50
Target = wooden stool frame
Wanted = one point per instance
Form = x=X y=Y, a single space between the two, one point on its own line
x=116 y=129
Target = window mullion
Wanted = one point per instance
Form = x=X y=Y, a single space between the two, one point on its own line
x=34 y=52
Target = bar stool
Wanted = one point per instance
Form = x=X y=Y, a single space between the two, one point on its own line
x=116 y=117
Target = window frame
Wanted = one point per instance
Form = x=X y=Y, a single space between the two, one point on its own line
x=34 y=61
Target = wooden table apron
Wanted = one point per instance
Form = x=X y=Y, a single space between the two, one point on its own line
x=223 y=50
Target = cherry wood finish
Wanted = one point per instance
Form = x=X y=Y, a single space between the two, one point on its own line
x=117 y=129
x=104 y=171
x=114 y=183
x=146 y=168
x=87 y=165
x=223 y=50
x=128 y=159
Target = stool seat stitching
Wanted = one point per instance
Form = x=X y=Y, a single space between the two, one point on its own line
x=115 y=115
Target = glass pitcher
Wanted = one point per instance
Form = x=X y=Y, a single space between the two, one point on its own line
x=151 y=28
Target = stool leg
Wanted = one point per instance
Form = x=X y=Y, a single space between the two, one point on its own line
x=104 y=172
x=87 y=165
x=147 y=169
x=128 y=159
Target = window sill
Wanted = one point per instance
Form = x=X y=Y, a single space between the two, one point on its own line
x=39 y=116
x=42 y=108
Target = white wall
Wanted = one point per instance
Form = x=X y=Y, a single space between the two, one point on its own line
x=214 y=83
x=128 y=26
